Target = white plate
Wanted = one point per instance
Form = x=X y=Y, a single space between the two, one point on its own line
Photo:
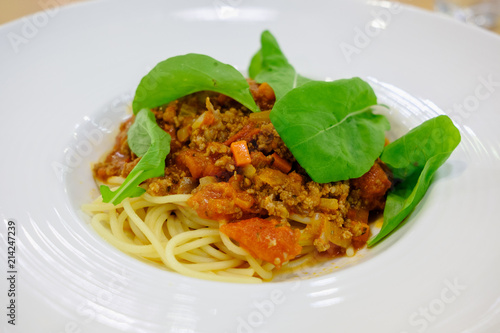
x=66 y=72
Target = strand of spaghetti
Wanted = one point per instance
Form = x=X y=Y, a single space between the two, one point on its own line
x=158 y=227
x=227 y=272
x=220 y=245
x=241 y=271
x=172 y=198
x=176 y=227
x=195 y=247
x=97 y=205
x=115 y=180
x=116 y=226
x=299 y=261
x=140 y=211
x=155 y=212
x=267 y=266
x=139 y=206
x=140 y=203
x=215 y=266
x=191 y=215
x=125 y=225
x=156 y=218
x=192 y=234
x=101 y=217
x=211 y=251
x=196 y=244
x=105 y=233
x=266 y=275
x=198 y=252
x=194 y=269
x=145 y=230
x=182 y=269
x=173 y=226
x=231 y=246
x=135 y=229
x=191 y=224
x=195 y=258
x=307 y=249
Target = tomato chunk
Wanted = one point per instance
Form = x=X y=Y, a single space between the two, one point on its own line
x=373 y=185
x=199 y=164
x=265 y=239
x=221 y=201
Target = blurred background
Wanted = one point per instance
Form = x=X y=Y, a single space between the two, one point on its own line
x=484 y=13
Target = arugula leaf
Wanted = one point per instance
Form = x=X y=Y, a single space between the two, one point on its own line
x=152 y=162
x=270 y=65
x=140 y=132
x=413 y=159
x=330 y=129
x=186 y=74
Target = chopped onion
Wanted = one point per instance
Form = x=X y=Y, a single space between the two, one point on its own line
x=260 y=116
x=207 y=180
x=329 y=204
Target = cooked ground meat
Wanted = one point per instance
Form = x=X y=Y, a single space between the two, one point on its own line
x=203 y=126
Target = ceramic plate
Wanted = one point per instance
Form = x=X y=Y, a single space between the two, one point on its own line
x=67 y=76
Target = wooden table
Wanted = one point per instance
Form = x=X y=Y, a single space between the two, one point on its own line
x=13 y=9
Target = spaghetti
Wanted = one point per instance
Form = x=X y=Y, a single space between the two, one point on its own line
x=165 y=230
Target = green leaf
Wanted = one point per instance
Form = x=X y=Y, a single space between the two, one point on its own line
x=270 y=65
x=139 y=133
x=255 y=65
x=413 y=159
x=152 y=162
x=330 y=129
x=186 y=74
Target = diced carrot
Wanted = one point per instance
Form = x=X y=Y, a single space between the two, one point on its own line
x=246 y=133
x=281 y=164
x=240 y=153
x=265 y=239
x=386 y=142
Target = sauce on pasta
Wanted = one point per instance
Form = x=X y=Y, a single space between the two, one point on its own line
x=234 y=204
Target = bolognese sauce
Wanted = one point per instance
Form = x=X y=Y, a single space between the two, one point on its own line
x=240 y=173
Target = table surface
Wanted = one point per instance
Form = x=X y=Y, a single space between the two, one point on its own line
x=14 y=9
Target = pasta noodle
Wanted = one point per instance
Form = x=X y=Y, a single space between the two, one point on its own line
x=165 y=230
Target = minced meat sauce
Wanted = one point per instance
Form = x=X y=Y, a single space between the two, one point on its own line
x=264 y=196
